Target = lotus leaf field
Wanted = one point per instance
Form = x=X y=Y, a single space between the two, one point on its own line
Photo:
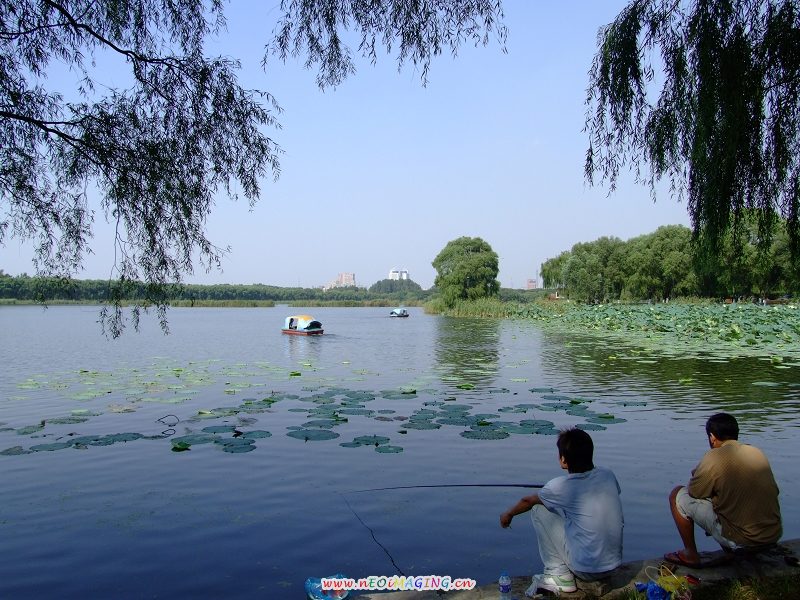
x=720 y=331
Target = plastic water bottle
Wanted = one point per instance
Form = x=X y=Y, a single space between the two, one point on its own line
x=505 y=586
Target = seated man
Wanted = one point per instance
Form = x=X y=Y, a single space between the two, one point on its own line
x=732 y=496
x=577 y=518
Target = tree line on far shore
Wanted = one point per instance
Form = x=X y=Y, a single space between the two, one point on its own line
x=667 y=263
x=48 y=289
x=670 y=263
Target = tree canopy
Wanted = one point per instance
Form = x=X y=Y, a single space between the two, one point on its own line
x=466 y=269
x=723 y=129
x=666 y=264
x=157 y=154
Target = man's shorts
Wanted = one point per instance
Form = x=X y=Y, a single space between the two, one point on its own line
x=701 y=511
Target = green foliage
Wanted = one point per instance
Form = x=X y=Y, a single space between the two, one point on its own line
x=419 y=31
x=656 y=265
x=394 y=286
x=466 y=269
x=668 y=264
x=725 y=126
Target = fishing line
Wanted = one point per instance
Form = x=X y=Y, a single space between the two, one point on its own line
x=452 y=485
x=412 y=487
x=372 y=533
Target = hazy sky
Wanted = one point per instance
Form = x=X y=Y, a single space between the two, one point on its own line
x=381 y=172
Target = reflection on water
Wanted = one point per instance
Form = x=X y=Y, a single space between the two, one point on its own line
x=762 y=393
x=303 y=348
x=467 y=350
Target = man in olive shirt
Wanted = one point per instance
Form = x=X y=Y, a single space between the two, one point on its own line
x=732 y=496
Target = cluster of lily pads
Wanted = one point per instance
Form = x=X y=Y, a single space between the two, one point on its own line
x=722 y=330
x=327 y=408
x=78 y=442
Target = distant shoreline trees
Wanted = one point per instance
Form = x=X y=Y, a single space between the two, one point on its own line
x=53 y=289
x=668 y=263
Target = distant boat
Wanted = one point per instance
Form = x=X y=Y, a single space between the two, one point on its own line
x=302 y=325
x=399 y=312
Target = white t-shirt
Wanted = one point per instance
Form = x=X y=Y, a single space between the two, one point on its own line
x=590 y=505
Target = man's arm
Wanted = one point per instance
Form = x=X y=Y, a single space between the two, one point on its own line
x=524 y=505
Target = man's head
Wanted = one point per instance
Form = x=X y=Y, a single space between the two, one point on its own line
x=722 y=427
x=575 y=449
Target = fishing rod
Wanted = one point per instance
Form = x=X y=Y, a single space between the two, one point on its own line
x=451 y=485
x=413 y=487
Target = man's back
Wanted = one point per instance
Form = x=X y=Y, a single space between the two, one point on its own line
x=591 y=507
x=739 y=481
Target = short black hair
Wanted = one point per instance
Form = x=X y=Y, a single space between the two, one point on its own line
x=575 y=446
x=723 y=426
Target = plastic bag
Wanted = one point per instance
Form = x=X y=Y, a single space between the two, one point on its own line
x=664 y=585
x=653 y=591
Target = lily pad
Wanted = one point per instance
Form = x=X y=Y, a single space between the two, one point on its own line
x=194 y=438
x=605 y=419
x=313 y=435
x=320 y=424
x=30 y=429
x=238 y=448
x=371 y=440
x=421 y=425
x=485 y=434
x=50 y=447
x=219 y=429
x=591 y=427
x=256 y=434
x=389 y=449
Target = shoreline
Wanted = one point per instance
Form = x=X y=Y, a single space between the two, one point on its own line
x=771 y=563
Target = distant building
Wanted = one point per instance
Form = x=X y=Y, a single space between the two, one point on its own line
x=532 y=284
x=342 y=280
x=398 y=274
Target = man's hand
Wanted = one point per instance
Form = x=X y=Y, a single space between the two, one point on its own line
x=505 y=520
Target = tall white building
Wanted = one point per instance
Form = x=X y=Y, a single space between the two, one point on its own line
x=398 y=274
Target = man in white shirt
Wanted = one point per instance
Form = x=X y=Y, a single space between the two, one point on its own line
x=577 y=518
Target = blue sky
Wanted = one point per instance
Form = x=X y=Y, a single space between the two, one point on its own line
x=382 y=172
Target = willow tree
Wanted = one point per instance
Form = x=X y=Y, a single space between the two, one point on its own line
x=157 y=152
x=705 y=95
x=466 y=269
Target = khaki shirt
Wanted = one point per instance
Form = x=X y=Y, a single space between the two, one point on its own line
x=738 y=480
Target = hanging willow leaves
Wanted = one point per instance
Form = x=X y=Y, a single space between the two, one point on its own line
x=724 y=127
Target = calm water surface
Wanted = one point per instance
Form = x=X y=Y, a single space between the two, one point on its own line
x=107 y=517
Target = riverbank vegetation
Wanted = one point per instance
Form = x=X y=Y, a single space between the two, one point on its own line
x=670 y=263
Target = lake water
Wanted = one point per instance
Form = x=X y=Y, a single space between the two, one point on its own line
x=88 y=512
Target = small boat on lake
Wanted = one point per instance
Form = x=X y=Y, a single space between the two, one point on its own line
x=399 y=312
x=302 y=325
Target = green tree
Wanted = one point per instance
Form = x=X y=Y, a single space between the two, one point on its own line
x=552 y=270
x=466 y=269
x=394 y=286
x=725 y=126
x=160 y=151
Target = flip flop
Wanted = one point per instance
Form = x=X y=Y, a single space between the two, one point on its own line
x=678 y=559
